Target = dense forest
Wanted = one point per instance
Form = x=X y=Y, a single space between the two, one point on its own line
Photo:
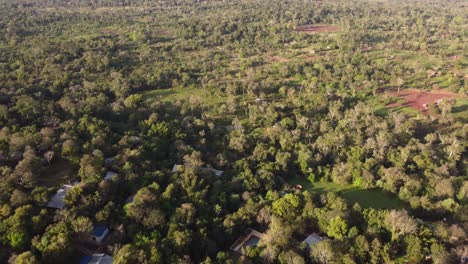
x=171 y=128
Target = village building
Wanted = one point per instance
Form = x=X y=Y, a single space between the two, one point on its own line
x=99 y=233
x=204 y=169
x=110 y=175
x=312 y=239
x=109 y=161
x=100 y=258
x=250 y=239
x=58 y=200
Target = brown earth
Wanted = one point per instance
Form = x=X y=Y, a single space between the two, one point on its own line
x=312 y=29
x=420 y=99
x=278 y=59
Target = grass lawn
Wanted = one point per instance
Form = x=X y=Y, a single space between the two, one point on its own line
x=367 y=198
x=460 y=109
x=172 y=95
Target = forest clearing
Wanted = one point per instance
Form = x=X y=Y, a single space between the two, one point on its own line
x=422 y=100
x=367 y=198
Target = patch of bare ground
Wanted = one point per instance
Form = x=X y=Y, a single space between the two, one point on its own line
x=313 y=29
x=278 y=59
x=108 y=31
x=455 y=57
x=310 y=58
x=420 y=99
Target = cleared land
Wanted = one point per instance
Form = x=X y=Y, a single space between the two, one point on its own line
x=367 y=198
x=420 y=99
x=172 y=95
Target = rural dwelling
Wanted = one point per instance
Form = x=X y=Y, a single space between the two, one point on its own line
x=58 y=200
x=250 y=239
x=99 y=233
x=110 y=175
x=312 y=239
x=109 y=161
x=100 y=258
x=204 y=169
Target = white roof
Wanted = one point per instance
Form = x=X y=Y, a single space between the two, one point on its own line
x=110 y=175
x=175 y=168
x=313 y=239
x=100 y=259
x=216 y=172
x=58 y=200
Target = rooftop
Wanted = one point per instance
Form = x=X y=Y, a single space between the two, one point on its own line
x=58 y=200
x=204 y=169
x=312 y=239
x=99 y=230
x=250 y=239
x=110 y=175
x=100 y=258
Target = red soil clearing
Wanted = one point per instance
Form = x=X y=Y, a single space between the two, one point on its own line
x=279 y=59
x=421 y=100
x=312 y=29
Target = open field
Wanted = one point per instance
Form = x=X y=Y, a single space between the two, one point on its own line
x=367 y=198
x=173 y=95
x=421 y=100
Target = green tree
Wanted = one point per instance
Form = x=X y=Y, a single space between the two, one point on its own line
x=55 y=244
x=337 y=228
x=26 y=258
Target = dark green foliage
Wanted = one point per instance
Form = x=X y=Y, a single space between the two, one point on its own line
x=134 y=87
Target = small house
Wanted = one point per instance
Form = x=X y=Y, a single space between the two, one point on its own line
x=312 y=239
x=100 y=258
x=99 y=233
x=109 y=161
x=58 y=200
x=134 y=139
x=203 y=169
x=250 y=239
x=110 y=175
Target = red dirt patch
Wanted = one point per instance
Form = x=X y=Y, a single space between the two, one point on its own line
x=108 y=31
x=421 y=100
x=279 y=59
x=312 y=29
x=311 y=58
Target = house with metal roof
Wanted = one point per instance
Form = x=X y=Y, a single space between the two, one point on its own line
x=110 y=175
x=99 y=233
x=100 y=258
x=58 y=200
x=312 y=239
x=204 y=169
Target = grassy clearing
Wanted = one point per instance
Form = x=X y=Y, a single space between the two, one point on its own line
x=367 y=198
x=173 y=95
x=460 y=109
